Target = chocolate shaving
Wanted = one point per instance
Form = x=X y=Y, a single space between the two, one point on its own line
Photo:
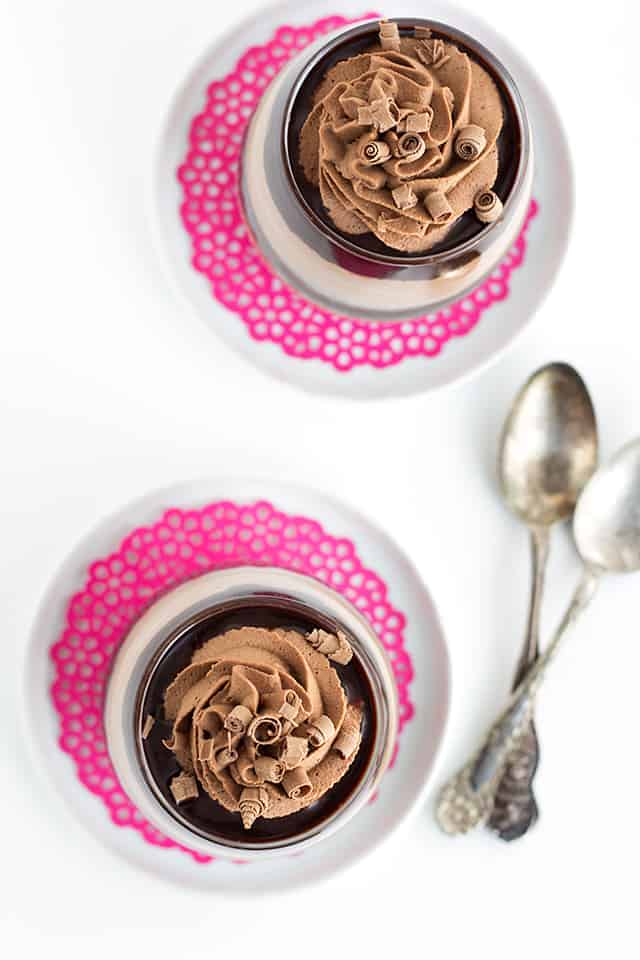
x=183 y=787
x=178 y=743
x=293 y=750
x=266 y=728
x=148 y=726
x=238 y=719
x=381 y=114
x=290 y=706
x=344 y=653
x=270 y=769
x=417 y=122
x=223 y=757
x=404 y=197
x=423 y=33
x=411 y=146
x=375 y=152
x=432 y=52
x=487 y=206
x=243 y=770
x=389 y=35
x=470 y=142
x=253 y=803
x=296 y=783
x=438 y=207
x=347 y=743
x=335 y=647
x=320 y=731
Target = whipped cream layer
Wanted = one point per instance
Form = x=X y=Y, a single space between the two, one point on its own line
x=402 y=139
x=260 y=721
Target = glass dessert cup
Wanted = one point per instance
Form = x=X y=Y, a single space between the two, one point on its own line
x=213 y=603
x=359 y=276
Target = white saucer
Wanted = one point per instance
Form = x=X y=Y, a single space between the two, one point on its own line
x=403 y=788
x=547 y=237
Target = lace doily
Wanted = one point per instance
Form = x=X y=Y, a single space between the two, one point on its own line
x=150 y=560
x=239 y=277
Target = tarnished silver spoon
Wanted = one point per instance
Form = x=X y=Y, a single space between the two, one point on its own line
x=548 y=451
x=606 y=528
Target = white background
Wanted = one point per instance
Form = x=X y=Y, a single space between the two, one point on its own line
x=108 y=387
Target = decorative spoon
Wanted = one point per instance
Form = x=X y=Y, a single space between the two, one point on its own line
x=606 y=528
x=548 y=451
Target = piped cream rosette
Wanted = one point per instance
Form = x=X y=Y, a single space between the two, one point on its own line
x=261 y=722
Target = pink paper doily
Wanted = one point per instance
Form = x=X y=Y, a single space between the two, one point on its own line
x=150 y=560
x=243 y=282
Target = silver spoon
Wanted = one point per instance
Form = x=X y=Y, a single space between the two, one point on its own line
x=548 y=451
x=606 y=528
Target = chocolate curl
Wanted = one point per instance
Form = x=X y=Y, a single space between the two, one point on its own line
x=253 y=803
x=296 y=784
x=293 y=750
x=438 y=207
x=344 y=653
x=389 y=35
x=346 y=744
x=322 y=641
x=183 y=787
x=148 y=726
x=265 y=728
x=238 y=720
x=487 y=206
x=178 y=742
x=411 y=146
x=336 y=647
x=417 y=122
x=470 y=142
x=382 y=114
x=320 y=731
x=290 y=706
x=286 y=704
x=404 y=197
x=270 y=769
x=223 y=757
x=375 y=152
x=244 y=770
x=432 y=52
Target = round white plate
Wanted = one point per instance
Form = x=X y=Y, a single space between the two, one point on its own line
x=547 y=237
x=403 y=787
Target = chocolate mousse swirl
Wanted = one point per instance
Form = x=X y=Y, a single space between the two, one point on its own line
x=260 y=721
x=412 y=119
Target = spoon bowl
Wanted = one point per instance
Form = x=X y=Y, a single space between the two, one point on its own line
x=606 y=523
x=549 y=446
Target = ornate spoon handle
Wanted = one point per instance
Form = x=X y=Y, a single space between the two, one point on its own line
x=515 y=809
x=467 y=799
